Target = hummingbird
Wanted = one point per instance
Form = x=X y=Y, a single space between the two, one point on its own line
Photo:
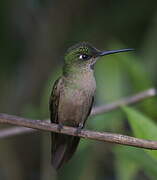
x=72 y=98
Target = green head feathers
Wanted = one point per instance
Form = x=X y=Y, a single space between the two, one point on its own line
x=79 y=53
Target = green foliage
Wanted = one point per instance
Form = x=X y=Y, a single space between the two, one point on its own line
x=130 y=160
x=142 y=126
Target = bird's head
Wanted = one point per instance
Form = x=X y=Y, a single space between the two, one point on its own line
x=83 y=55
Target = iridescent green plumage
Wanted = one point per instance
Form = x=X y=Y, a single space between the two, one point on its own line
x=72 y=98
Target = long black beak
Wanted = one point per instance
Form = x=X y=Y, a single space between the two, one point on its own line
x=103 y=53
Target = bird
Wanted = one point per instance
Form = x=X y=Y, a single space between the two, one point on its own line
x=72 y=97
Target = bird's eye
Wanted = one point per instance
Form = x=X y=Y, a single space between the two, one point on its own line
x=84 y=56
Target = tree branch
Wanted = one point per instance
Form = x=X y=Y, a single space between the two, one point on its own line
x=125 y=101
x=7 y=132
x=13 y=131
x=100 y=136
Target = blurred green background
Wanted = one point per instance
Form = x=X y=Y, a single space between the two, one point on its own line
x=34 y=34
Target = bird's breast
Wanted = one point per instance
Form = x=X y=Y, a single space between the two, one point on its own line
x=75 y=100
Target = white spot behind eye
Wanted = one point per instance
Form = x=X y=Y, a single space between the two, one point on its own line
x=81 y=56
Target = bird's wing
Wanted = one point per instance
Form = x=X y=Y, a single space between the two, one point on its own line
x=90 y=107
x=53 y=106
x=57 y=150
x=54 y=101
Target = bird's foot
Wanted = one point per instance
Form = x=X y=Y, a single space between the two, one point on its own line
x=60 y=127
x=79 y=128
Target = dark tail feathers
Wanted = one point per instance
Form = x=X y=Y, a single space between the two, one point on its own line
x=63 y=147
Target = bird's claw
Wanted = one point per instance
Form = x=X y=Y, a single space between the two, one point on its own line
x=79 y=128
x=60 y=127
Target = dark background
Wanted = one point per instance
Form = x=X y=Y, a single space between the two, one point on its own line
x=34 y=34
